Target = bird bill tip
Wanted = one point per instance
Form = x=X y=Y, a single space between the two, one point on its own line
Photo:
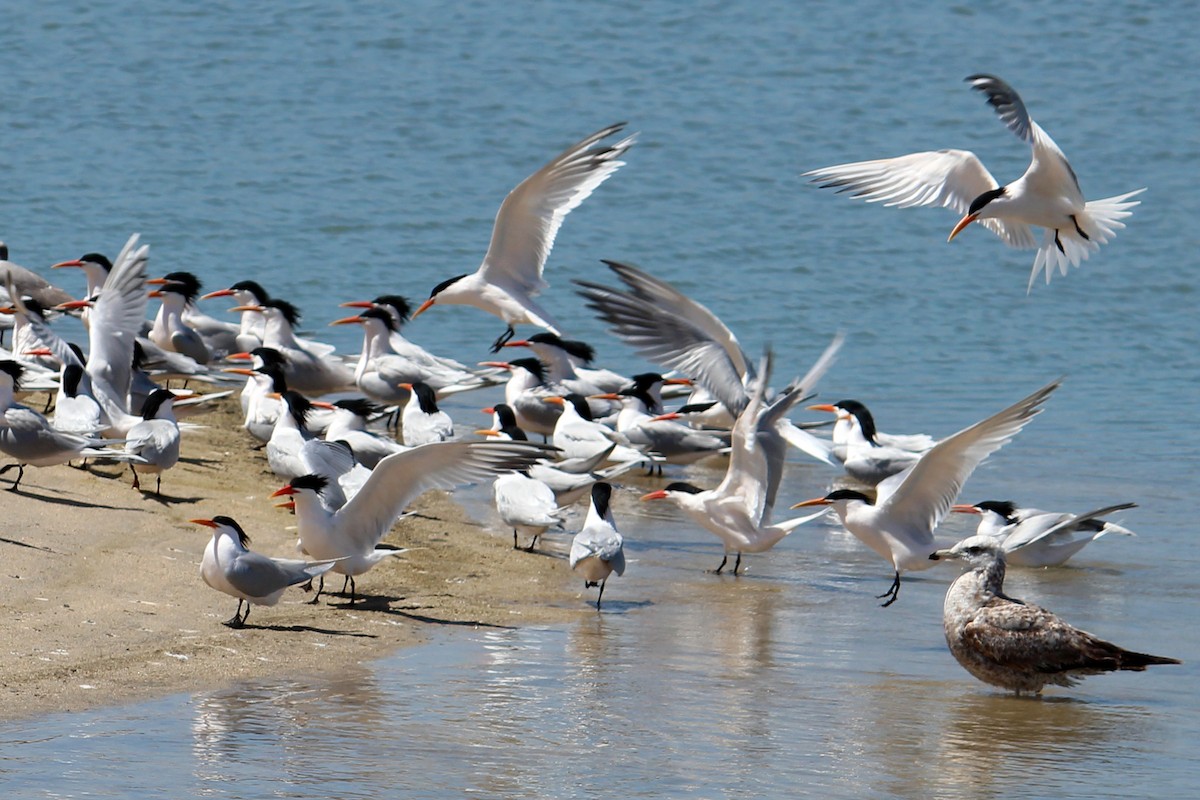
x=217 y=293
x=496 y=364
x=283 y=491
x=678 y=382
x=816 y=501
x=516 y=343
x=72 y=304
x=963 y=508
x=658 y=494
x=74 y=262
x=554 y=401
x=422 y=308
x=347 y=320
x=962 y=223
x=826 y=407
x=486 y=432
x=665 y=417
x=605 y=396
x=208 y=523
x=246 y=308
x=357 y=304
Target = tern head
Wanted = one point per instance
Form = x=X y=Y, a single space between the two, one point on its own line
x=72 y=374
x=1004 y=508
x=257 y=293
x=305 y=483
x=426 y=397
x=601 y=494
x=359 y=407
x=838 y=498
x=399 y=305
x=86 y=260
x=976 y=210
x=155 y=401
x=184 y=283
x=845 y=409
x=572 y=347
x=580 y=404
x=672 y=490
x=530 y=365
x=288 y=312
x=441 y=287
x=978 y=551
x=223 y=524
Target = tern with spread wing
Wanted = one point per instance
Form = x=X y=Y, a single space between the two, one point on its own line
x=898 y=523
x=524 y=231
x=1047 y=196
x=353 y=532
x=1035 y=538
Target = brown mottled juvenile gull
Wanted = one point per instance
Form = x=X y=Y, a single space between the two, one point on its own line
x=1008 y=643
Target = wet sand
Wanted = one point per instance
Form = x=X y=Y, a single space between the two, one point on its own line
x=102 y=601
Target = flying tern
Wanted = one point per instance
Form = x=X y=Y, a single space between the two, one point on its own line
x=524 y=232
x=1046 y=196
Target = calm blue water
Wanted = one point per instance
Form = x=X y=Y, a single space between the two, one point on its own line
x=334 y=152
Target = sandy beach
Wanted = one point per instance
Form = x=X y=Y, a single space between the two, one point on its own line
x=103 y=602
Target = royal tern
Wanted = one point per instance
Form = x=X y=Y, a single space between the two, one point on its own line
x=310 y=367
x=661 y=435
x=444 y=374
x=578 y=435
x=1046 y=196
x=230 y=567
x=526 y=505
x=260 y=397
x=524 y=232
x=597 y=551
x=526 y=392
x=867 y=455
x=899 y=523
x=569 y=479
x=1013 y=644
x=250 y=325
x=29 y=437
x=565 y=361
x=738 y=511
x=29 y=283
x=170 y=331
x=422 y=421
x=155 y=439
x=290 y=433
x=348 y=423
x=1034 y=538
x=75 y=409
x=353 y=532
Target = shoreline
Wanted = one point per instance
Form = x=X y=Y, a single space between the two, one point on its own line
x=104 y=603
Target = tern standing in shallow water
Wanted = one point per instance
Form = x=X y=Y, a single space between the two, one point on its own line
x=898 y=524
x=1015 y=645
x=524 y=231
x=598 y=550
x=1046 y=196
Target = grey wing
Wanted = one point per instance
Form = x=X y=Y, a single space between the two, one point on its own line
x=402 y=477
x=1008 y=104
x=530 y=216
x=256 y=575
x=42 y=331
x=671 y=329
x=921 y=495
x=117 y=317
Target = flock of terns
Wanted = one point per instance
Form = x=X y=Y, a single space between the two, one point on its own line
x=348 y=481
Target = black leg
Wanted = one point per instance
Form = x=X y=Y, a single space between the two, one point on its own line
x=20 y=474
x=502 y=339
x=158 y=489
x=1079 y=230
x=1058 y=242
x=601 y=593
x=532 y=543
x=136 y=483
x=721 y=566
x=345 y=583
x=236 y=620
x=737 y=563
x=892 y=593
x=515 y=546
x=320 y=588
x=353 y=590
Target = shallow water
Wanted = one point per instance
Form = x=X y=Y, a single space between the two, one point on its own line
x=334 y=153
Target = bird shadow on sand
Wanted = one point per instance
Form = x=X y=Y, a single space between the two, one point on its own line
x=19 y=543
x=168 y=500
x=67 y=501
x=307 y=629
x=382 y=604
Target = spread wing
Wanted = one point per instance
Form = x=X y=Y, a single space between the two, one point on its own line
x=116 y=319
x=669 y=328
x=402 y=477
x=920 y=496
x=531 y=214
